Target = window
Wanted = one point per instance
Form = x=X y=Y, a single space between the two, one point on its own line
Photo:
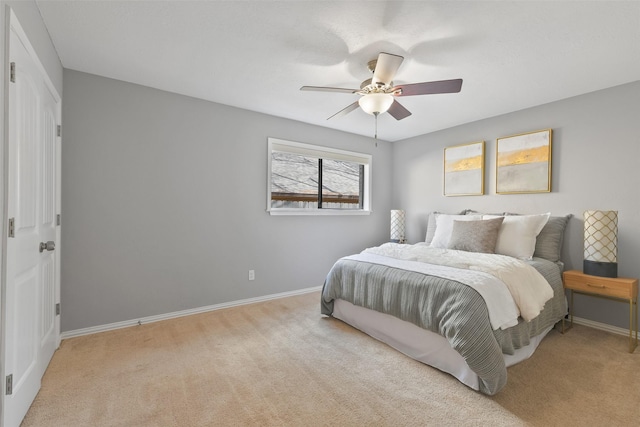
x=312 y=180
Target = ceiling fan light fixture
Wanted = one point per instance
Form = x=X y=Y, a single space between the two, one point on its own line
x=377 y=94
x=375 y=103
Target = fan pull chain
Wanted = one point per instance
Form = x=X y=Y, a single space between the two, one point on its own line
x=375 y=135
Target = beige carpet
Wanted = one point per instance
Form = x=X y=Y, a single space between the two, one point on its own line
x=281 y=363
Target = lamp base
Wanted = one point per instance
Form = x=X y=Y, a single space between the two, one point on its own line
x=601 y=269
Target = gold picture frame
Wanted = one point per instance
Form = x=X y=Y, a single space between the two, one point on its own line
x=464 y=170
x=523 y=163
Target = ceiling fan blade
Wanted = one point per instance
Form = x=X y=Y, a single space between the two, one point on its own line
x=386 y=68
x=329 y=89
x=345 y=110
x=429 y=88
x=398 y=111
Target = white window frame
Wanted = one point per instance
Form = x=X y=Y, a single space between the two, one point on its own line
x=316 y=151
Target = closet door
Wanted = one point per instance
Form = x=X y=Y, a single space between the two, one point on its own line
x=31 y=327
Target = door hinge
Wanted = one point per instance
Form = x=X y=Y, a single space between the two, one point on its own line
x=9 y=385
x=12 y=227
x=59 y=130
x=58 y=309
x=13 y=72
x=58 y=219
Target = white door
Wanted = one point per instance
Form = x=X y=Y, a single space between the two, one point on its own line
x=31 y=326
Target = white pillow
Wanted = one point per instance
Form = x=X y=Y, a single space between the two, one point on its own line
x=444 y=226
x=431 y=224
x=517 y=235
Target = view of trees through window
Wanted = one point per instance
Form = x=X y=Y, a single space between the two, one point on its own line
x=299 y=181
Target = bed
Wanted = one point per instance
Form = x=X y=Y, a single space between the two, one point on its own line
x=476 y=297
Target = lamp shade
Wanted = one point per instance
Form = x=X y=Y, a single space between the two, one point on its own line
x=397 y=226
x=601 y=243
x=375 y=103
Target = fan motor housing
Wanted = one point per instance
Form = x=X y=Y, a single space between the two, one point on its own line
x=368 y=86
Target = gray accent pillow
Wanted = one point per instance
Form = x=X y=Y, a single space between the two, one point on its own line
x=475 y=236
x=431 y=225
x=549 y=241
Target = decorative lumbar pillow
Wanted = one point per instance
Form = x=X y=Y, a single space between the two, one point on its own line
x=549 y=241
x=475 y=236
x=517 y=236
x=444 y=225
x=431 y=225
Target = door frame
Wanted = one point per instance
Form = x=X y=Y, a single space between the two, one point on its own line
x=11 y=21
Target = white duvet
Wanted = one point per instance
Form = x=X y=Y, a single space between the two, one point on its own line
x=509 y=286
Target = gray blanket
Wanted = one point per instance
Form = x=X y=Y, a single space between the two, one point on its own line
x=446 y=307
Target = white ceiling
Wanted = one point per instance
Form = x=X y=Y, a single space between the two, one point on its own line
x=257 y=54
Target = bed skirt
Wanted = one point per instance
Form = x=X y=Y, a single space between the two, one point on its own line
x=421 y=344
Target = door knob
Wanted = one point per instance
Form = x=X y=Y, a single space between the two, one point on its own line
x=48 y=246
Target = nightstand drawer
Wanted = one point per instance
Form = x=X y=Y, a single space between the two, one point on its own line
x=613 y=287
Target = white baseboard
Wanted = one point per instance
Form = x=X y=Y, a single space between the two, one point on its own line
x=173 y=315
x=601 y=326
x=159 y=317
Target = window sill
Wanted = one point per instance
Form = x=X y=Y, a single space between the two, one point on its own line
x=317 y=212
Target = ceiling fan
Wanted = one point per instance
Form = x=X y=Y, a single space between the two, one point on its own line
x=378 y=93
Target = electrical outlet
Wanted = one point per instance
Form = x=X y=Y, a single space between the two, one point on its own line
x=252 y=275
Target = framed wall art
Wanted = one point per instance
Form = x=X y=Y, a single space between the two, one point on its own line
x=523 y=163
x=464 y=170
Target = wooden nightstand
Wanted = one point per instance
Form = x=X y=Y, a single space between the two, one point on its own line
x=619 y=288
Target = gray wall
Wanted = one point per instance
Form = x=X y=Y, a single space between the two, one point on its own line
x=595 y=149
x=164 y=205
x=164 y=196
